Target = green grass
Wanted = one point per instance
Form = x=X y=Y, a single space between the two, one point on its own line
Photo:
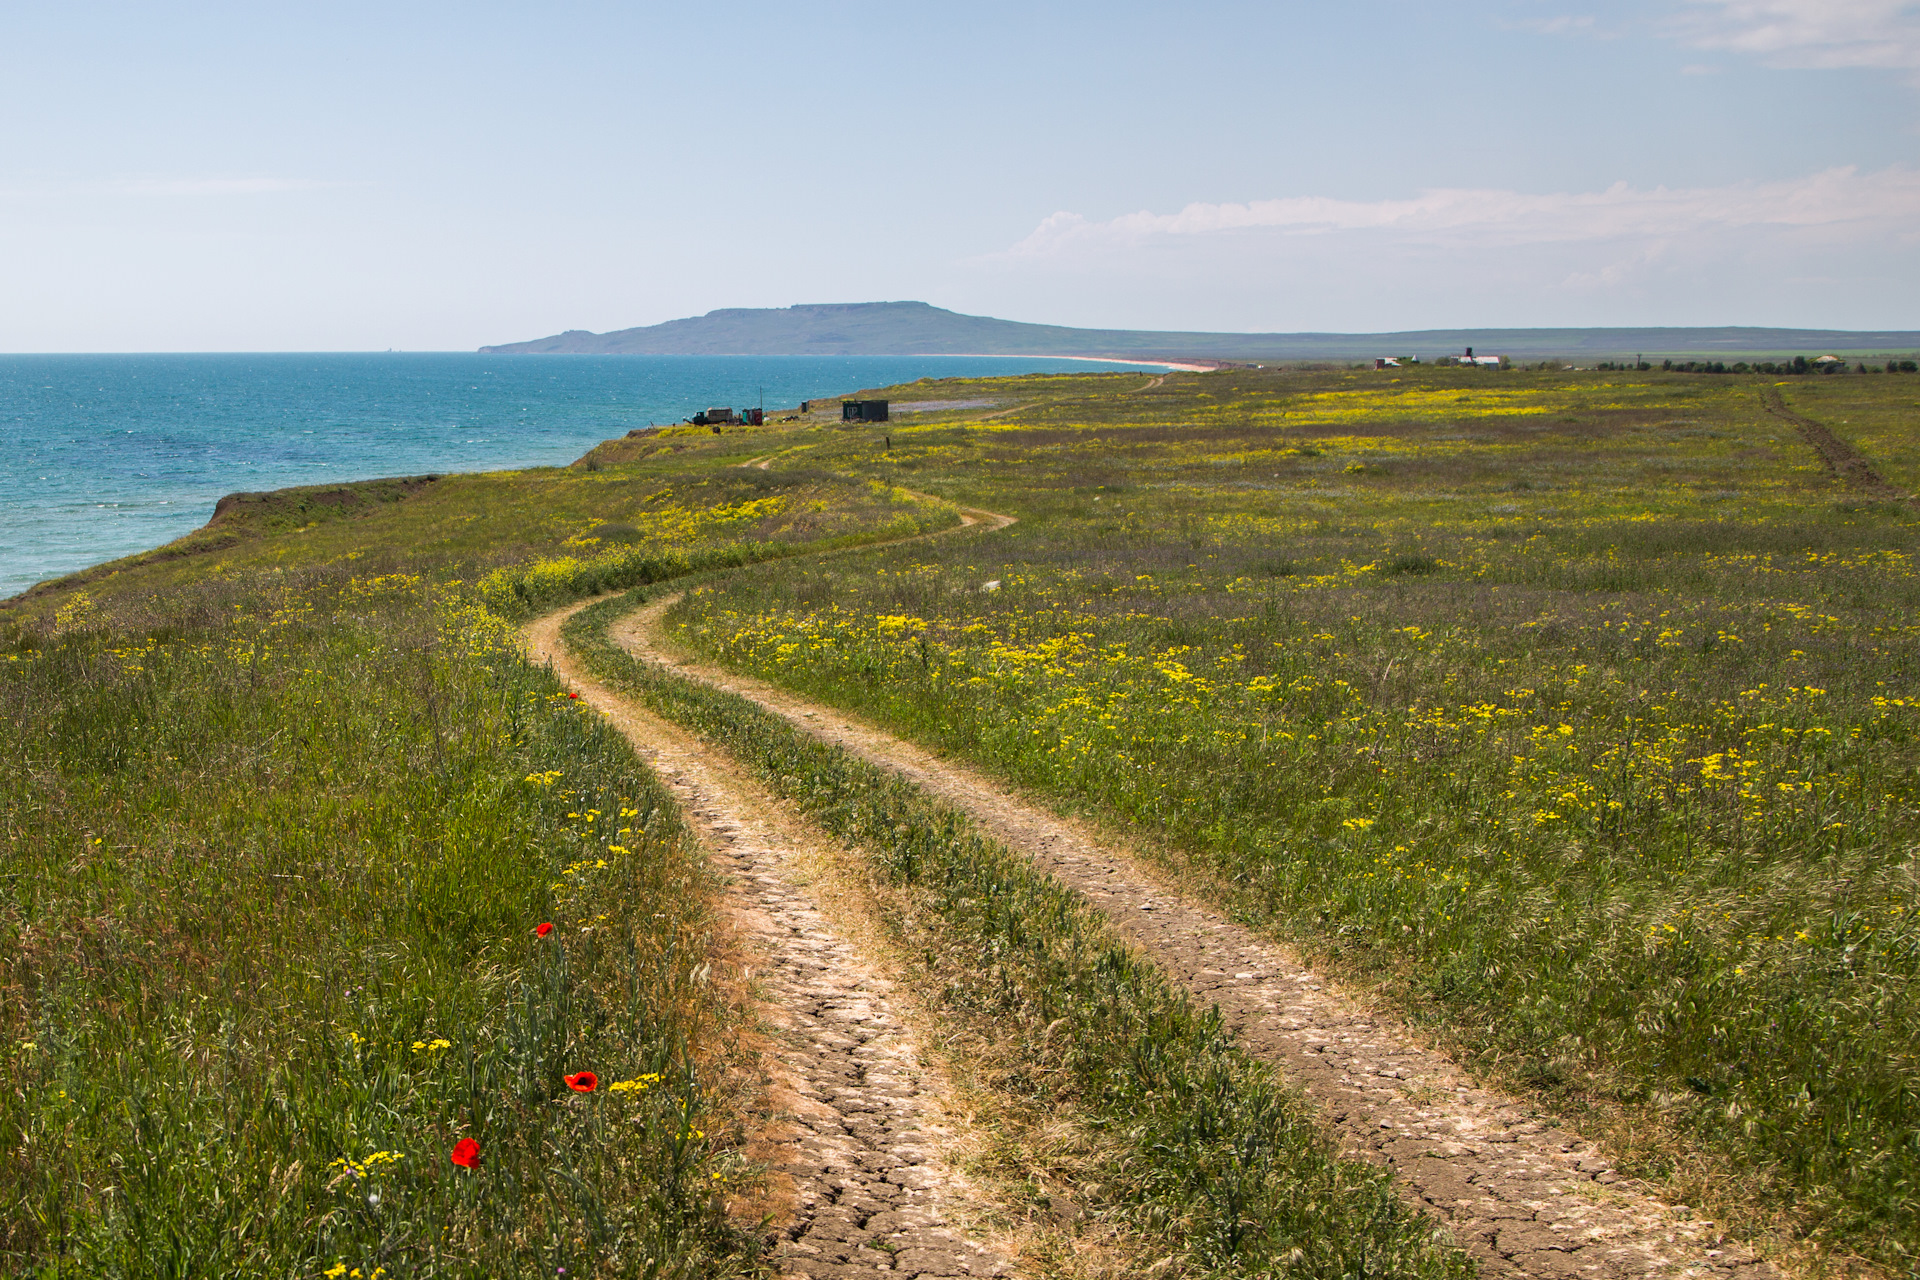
x=1882 y=425
x=274 y=865
x=1579 y=715
x=1573 y=713
x=280 y=821
x=554 y=531
x=1207 y=1154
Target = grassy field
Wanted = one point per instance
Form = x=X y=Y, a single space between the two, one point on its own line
x=310 y=879
x=1881 y=425
x=1188 y=1143
x=275 y=868
x=1577 y=713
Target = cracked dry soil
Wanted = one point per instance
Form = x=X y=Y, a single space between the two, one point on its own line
x=1524 y=1198
x=856 y=1155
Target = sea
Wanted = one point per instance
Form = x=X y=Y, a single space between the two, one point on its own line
x=105 y=455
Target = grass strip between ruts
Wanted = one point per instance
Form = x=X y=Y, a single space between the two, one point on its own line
x=1214 y=1157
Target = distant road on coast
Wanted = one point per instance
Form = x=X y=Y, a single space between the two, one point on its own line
x=917 y=328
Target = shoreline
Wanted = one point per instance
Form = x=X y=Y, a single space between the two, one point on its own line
x=1180 y=366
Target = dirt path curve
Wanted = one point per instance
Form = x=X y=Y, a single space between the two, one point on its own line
x=869 y=1194
x=1522 y=1197
x=1841 y=458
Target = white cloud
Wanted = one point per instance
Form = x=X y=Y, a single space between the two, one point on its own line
x=1838 y=248
x=1808 y=33
x=1841 y=203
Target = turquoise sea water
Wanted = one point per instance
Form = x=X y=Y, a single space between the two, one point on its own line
x=102 y=456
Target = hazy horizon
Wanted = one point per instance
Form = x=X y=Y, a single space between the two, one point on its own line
x=430 y=179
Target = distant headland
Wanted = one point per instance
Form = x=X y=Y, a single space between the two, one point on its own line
x=918 y=328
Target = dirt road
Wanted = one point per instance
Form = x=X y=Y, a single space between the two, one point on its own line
x=857 y=1124
x=1523 y=1197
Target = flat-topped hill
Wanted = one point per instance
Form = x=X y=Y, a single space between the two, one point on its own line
x=917 y=328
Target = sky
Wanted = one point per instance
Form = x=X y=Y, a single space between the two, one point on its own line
x=352 y=176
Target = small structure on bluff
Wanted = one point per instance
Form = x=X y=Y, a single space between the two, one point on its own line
x=863 y=411
x=726 y=416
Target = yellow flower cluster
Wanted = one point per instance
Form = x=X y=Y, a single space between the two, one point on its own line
x=368 y=1163
x=639 y=1084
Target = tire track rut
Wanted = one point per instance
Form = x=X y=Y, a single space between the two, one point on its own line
x=858 y=1161
x=1841 y=458
x=1523 y=1197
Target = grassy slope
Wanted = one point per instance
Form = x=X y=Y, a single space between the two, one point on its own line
x=278 y=829
x=273 y=881
x=1579 y=713
x=684 y=490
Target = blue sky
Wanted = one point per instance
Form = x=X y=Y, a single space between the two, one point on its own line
x=357 y=177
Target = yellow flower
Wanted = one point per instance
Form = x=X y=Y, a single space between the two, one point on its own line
x=639 y=1084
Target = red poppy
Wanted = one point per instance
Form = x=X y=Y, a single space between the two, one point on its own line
x=466 y=1153
x=543 y=929
x=582 y=1082
x=573 y=695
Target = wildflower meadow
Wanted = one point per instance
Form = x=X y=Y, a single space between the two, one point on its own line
x=1575 y=714
x=1572 y=715
x=337 y=940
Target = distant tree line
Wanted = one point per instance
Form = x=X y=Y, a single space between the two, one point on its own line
x=1797 y=365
